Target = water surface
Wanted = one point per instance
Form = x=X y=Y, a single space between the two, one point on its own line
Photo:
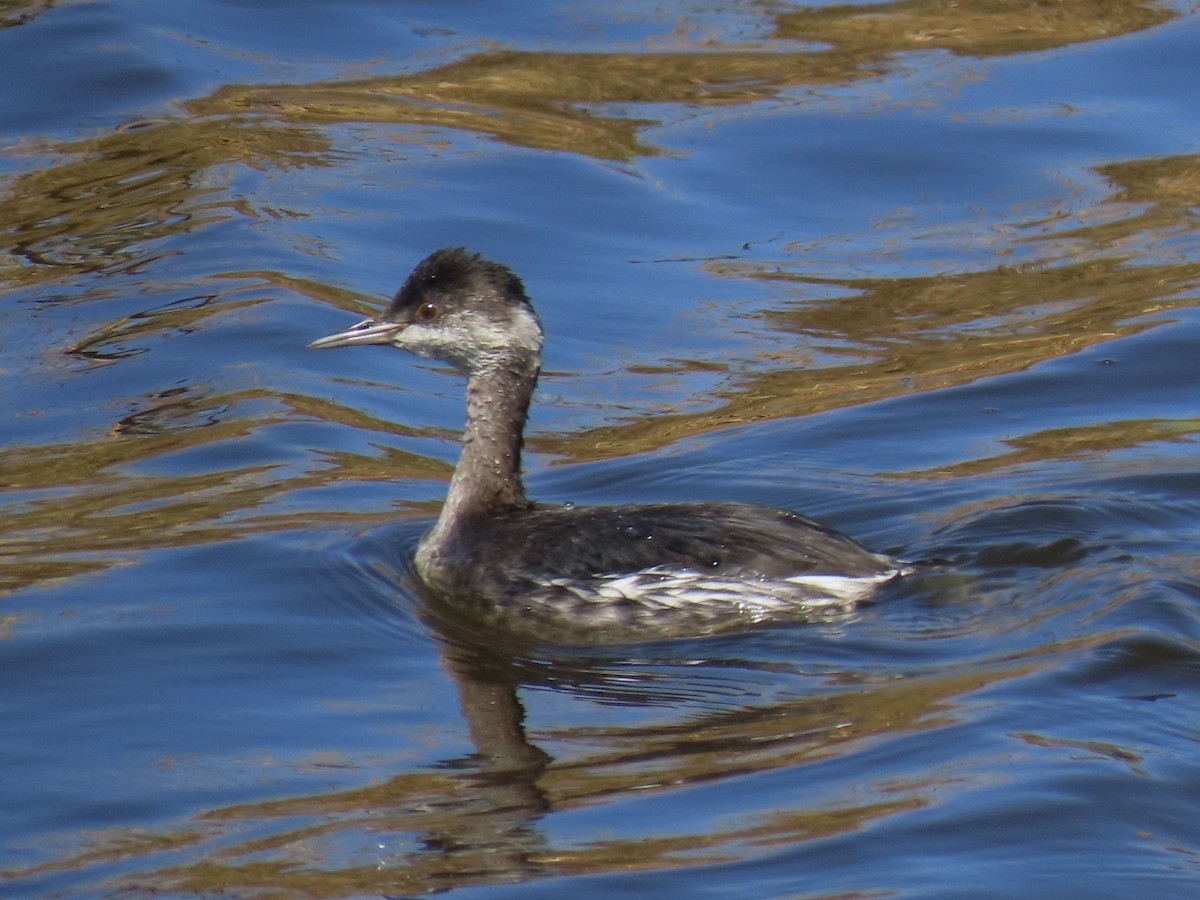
x=928 y=272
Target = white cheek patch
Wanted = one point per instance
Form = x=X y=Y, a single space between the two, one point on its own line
x=493 y=339
x=473 y=342
x=526 y=331
x=447 y=340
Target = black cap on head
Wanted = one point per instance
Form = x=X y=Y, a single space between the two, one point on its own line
x=454 y=272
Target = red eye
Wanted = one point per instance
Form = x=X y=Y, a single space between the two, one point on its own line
x=427 y=312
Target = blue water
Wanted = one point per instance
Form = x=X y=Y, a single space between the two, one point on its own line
x=927 y=273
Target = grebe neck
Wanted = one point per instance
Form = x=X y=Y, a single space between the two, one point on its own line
x=487 y=479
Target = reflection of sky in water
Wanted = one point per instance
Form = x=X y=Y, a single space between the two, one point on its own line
x=930 y=279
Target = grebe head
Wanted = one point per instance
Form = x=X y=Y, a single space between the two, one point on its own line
x=457 y=307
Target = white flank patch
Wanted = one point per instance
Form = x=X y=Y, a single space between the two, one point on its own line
x=844 y=587
x=659 y=590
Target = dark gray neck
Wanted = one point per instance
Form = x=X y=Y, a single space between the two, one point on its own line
x=487 y=479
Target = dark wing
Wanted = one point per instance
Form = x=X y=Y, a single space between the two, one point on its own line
x=733 y=539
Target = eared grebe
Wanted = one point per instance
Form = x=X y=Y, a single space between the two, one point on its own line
x=701 y=562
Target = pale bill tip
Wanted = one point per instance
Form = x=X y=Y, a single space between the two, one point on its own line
x=367 y=331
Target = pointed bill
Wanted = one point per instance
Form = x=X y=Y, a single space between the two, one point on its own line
x=367 y=331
